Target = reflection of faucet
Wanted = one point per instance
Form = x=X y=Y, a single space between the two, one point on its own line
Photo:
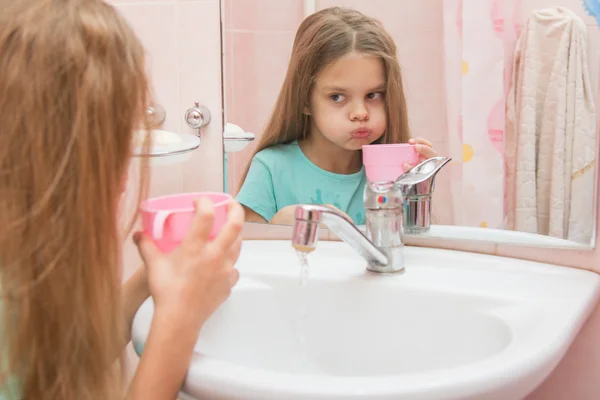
x=382 y=245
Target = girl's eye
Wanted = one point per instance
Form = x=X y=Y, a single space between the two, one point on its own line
x=375 y=96
x=337 y=98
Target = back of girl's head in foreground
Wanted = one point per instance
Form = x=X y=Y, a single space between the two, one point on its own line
x=72 y=92
x=323 y=38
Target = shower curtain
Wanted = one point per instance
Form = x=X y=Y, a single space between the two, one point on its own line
x=479 y=36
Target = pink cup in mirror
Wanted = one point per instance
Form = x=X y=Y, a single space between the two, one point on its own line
x=385 y=162
x=167 y=219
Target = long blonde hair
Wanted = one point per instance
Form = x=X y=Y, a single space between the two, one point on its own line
x=72 y=92
x=322 y=38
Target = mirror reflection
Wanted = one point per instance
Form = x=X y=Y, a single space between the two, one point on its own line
x=344 y=92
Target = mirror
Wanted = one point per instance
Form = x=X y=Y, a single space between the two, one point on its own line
x=519 y=173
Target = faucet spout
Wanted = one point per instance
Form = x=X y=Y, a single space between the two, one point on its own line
x=305 y=236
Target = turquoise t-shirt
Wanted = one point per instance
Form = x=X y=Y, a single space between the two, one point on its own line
x=282 y=175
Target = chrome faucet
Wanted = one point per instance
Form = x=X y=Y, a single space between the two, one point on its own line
x=382 y=245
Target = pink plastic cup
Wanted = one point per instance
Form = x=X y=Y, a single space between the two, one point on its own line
x=385 y=162
x=167 y=219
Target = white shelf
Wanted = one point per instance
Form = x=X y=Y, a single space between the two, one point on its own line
x=186 y=144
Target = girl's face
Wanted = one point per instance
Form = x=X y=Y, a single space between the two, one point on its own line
x=347 y=103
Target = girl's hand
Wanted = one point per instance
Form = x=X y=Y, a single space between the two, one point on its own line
x=424 y=148
x=194 y=279
x=187 y=285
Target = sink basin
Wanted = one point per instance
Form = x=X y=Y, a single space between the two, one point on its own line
x=454 y=326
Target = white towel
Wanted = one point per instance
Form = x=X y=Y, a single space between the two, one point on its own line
x=551 y=129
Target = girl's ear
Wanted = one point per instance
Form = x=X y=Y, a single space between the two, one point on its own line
x=306 y=110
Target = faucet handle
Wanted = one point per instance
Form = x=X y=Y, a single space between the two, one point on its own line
x=419 y=180
x=423 y=171
x=383 y=195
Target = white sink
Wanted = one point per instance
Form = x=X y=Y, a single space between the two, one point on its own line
x=454 y=326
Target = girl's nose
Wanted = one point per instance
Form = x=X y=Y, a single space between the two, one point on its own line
x=359 y=112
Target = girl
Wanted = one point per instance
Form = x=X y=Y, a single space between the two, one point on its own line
x=343 y=90
x=72 y=92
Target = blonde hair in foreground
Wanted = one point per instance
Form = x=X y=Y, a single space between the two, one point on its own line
x=323 y=38
x=72 y=92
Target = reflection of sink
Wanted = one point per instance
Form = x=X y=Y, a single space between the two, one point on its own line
x=454 y=325
x=499 y=236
